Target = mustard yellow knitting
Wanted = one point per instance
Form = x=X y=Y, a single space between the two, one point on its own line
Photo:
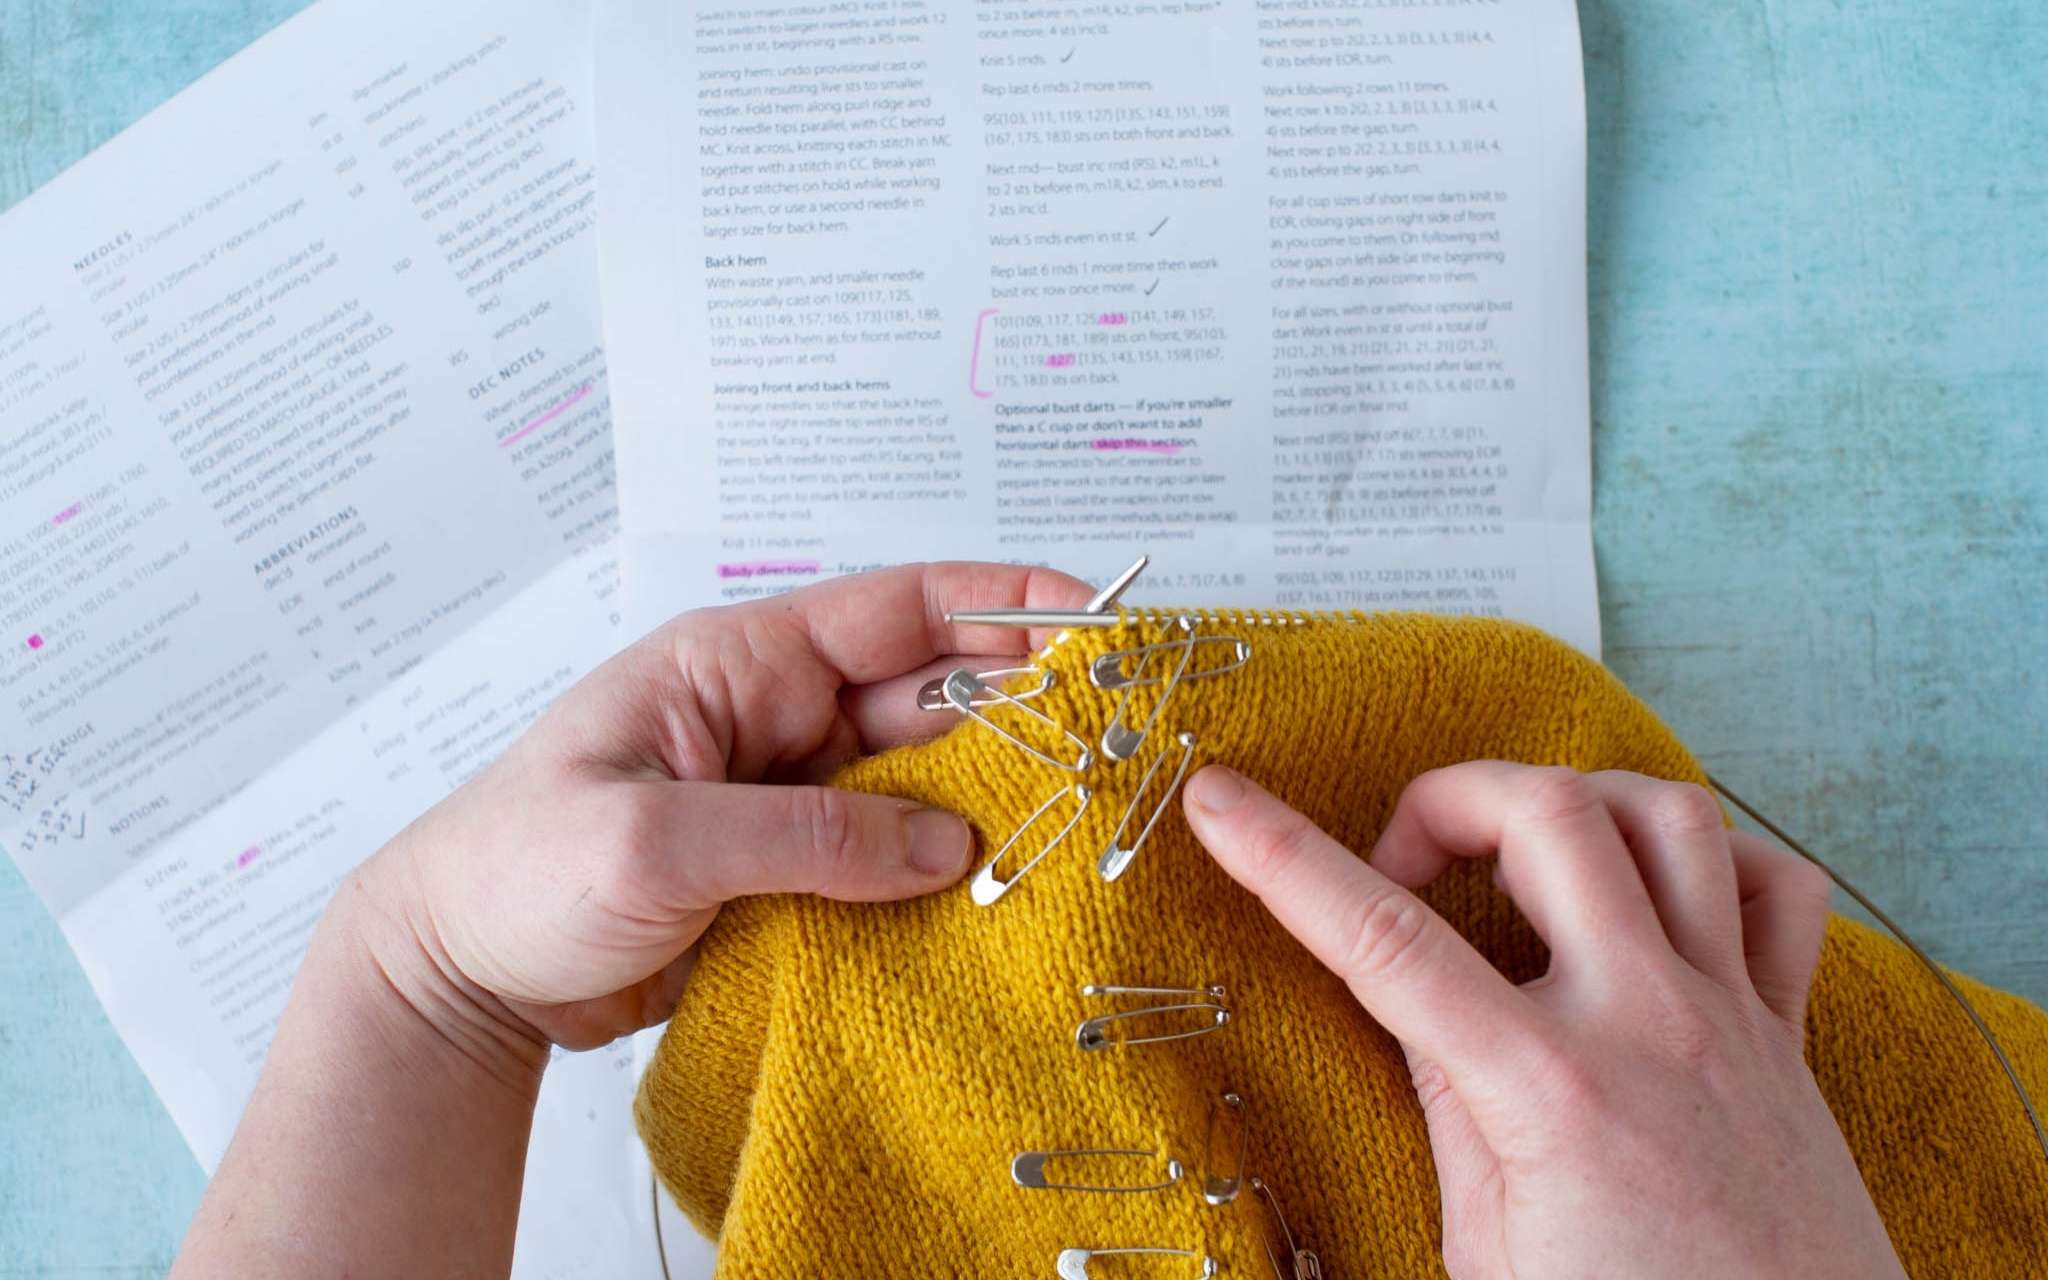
x=842 y=1090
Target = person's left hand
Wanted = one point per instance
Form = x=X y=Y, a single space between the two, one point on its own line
x=557 y=896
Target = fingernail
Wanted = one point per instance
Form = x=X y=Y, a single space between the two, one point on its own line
x=939 y=842
x=1216 y=790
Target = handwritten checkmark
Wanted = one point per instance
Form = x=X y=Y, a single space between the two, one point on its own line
x=1155 y=285
x=1070 y=53
x=1162 y=222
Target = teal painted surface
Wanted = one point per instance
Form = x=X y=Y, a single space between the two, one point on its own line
x=1819 y=281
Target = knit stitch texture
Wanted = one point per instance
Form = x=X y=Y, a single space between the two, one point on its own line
x=842 y=1089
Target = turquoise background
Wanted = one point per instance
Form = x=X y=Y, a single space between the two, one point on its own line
x=1819 y=259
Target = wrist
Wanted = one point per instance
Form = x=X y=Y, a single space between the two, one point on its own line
x=400 y=973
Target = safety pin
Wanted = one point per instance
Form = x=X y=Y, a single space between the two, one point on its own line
x=1119 y=740
x=1073 y=1263
x=1027 y=1169
x=1094 y=1033
x=1218 y=1188
x=1305 y=1265
x=964 y=693
x=931 y=695
x=1117 y=858
x=988 y=885
x=1107 y=671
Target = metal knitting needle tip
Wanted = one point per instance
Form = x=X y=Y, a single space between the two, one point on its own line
x=1106 y=598
x=1096 y=613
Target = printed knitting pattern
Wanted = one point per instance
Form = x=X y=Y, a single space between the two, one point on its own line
x=844 y=1085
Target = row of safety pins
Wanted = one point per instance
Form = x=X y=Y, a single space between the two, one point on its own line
x=1185 y=1012
x=1165 y=666
x=1226 y=1138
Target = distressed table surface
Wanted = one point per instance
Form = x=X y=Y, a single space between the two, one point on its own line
x=1819 y=281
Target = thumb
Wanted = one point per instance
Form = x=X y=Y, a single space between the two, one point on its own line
x=723 y=840
x=1468 y=1175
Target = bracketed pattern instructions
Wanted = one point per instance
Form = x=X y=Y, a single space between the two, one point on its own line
x=1288 y=294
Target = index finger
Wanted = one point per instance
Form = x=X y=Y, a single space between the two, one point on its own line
x=872 y=626
x=1402 y=961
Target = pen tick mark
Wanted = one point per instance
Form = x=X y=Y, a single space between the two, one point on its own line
x=1152 y=286
x=1162 y=222
x=1070 y=53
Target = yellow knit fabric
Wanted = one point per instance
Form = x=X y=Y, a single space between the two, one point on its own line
x=842 y=1090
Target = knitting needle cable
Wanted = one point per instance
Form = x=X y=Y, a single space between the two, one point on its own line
x=2019 y=1087
x=660 y=1245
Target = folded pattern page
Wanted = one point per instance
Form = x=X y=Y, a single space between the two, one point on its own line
x=306 y=463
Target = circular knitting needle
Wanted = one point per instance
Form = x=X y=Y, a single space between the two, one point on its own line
x=1106 y=598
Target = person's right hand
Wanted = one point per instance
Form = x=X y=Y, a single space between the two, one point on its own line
x=1643 y=1109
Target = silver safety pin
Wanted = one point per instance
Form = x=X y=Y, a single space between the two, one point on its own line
x=1107 y=671
x=931 y=695
x=989 y=884
x=1095 y=1033
x=1119 y=740
x=1222 y=1188
x=1302 y=1265
x=1117 y=858
x=1027 y=1169
x=966 y=694
x=1073 y=1263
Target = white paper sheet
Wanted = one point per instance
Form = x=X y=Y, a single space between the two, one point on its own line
x=308 y=507
x=1289 y=295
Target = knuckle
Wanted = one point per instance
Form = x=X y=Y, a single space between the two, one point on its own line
x=1685 y=809
x=1279 y=844
x=1808 y=884
x=1691 y=1042
x=1682 y=1026
x=1381 y=932
x=1558 y=794
x=1449 y=778
x=1432 y=1086
x=826 y=824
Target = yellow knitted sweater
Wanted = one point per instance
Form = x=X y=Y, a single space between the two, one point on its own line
x=844 y=1086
